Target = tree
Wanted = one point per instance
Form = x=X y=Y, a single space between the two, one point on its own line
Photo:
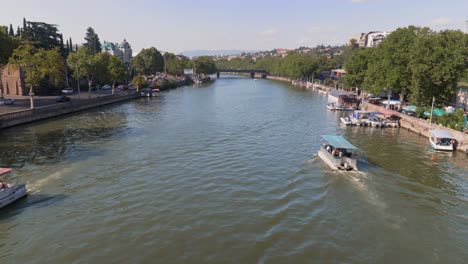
x=116 y=69
x=84 y=65
x=175 y=65
x=92 y=41
x=71 y=45
x=148 y=61
x=356 y=67
x=31 y=61
x=439 y=61
x=204 y=65
x=41 y=35
x=138 y=81
x=11 y=32
x=7 y=45
x=54 y=66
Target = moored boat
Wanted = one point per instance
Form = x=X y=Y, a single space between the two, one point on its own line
x=338 y=153
x=442 y=140
x=377 y=119
x=10 y=192
x=360 y=117
x=347 y=121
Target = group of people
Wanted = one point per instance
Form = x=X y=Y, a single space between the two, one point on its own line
x=337 y=152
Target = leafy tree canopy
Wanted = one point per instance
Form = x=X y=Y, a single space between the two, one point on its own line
x=148 y=61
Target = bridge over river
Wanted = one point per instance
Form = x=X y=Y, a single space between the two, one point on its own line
x=262 y=73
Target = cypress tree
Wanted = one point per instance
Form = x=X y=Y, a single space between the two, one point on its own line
x=68 y=46
x=18 y=32
x=76 y=47
x=71 y=45
x=61 y=41
x=24 y=23
x=12 y=33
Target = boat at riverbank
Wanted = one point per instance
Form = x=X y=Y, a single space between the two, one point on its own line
x=338 y=153
x=360 y=117
x=442 y=140
x=10 y=192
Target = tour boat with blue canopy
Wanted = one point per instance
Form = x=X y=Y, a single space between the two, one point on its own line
x=442 y=140
x=338 y=153
x=10 y=192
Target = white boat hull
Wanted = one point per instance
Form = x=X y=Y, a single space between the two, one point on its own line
x=336 y=164
x=347 y=121
x=9 y=195
x=440 y=147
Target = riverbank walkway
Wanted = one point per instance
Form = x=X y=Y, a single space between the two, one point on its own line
x=46 y=107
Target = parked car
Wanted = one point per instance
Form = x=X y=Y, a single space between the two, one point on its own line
x=67 y=90
x=408 y=112
x=62 y=98
x=5 y=101
x=106 y=87
x=122 y=87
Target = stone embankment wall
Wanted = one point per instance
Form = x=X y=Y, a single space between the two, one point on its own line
x=422 y=127
x=39 y=113
x=278 y=78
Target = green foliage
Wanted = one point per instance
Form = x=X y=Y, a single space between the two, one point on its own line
x=328 y=82
x=139 y=81
x=454 y=121
x=356 y=67
x=297 y=65
x=420 y=111
x=41 y=35
x=439 y=61
x=7 y=45
x=39 y=63
x=412 y=61
x=204 y=65
x=116 y=69
x=92 y=41
x=86 y=65
x=54 y=66
x=175 y=65
x=148 y=62
x=164 y=84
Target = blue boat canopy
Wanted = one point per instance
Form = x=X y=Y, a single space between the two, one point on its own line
x=439 y=133
x=338 y=142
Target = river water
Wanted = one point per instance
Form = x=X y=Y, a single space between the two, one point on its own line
x=227 y=173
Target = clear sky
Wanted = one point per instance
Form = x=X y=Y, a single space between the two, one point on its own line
x=180 y=25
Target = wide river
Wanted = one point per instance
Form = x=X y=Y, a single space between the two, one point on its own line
x=227 y=173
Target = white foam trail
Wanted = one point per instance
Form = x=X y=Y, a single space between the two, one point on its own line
x=372 y=198
x=37 y=186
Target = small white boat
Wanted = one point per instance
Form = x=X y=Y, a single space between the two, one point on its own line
x=360 y=117
x=442 y=140
x=10 y=192
x=331 y=106
x=377 y=119
x=338 y=153
x=347 y=121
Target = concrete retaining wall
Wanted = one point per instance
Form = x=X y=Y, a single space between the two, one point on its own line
x=39 y=113
x=422 y=126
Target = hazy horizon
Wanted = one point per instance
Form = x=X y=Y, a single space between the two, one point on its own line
x=182 y=25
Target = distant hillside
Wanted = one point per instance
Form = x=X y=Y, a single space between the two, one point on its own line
x=196 y=53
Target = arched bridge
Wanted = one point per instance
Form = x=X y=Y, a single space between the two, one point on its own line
x=262 y=73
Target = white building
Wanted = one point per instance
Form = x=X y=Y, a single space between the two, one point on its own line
x=372 y=39
x=123 y=50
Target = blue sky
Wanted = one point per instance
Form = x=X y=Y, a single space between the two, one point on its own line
x=179 y=25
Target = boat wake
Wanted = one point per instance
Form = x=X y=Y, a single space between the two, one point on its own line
x=38 y=185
